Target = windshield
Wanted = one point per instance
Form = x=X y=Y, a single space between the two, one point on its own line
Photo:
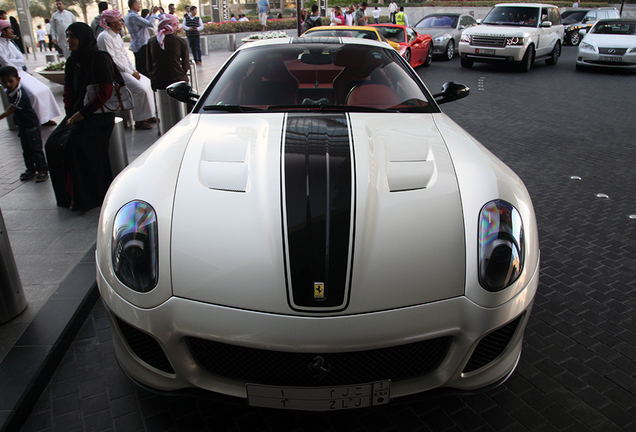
x=570 y=17
x=335 y=32
x=513 y=15
x=438 y=21
x=394 y=34
x=316 y=76
x=615 y=28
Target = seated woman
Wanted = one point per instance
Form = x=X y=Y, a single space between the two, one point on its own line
x=77 y=150
x=139 y=85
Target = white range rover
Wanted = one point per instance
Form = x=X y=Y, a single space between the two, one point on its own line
x=514 y=32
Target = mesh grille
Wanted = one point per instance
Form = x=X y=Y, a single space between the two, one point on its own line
x=615 y=51
x=488 y=41
x=145 y=347
x=492 y=346
x=293 y=369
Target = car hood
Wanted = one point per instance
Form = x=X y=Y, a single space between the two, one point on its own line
x=436 y=31
x=317 y=213
x=610 y=41
x=499 y=30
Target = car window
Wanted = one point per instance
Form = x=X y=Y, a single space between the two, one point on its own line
x=467 y=21
x=335 y=32
x=554 y=16
x=314 y=76
x=572 y=16
x=602 y=14
x=412 y=34
x=614 y=27
x=591 y=16
x=439 y=21
x=394 y=34
x=513 y=16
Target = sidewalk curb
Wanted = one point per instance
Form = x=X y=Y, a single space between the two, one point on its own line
x=28 y=367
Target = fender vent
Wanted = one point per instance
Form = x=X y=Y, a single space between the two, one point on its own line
x=145 y=347
x=492 y=345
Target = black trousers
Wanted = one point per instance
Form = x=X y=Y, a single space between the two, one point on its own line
x=141 y=61
x=31 y=141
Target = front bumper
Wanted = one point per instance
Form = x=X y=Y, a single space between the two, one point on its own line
x=172 y=324
x=491 y=54
x=628 y=61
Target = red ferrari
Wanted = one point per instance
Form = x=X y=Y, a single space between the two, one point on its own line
x=416 y=48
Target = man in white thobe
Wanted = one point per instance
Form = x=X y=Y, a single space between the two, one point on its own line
x=139 y=85
x=60 y=20
x=40 y=95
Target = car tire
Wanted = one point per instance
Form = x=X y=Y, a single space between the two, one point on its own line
x=554 y=56
x=574 y=38
x=467 y=63
x=450 y=50
x=528 y=58
x=407 y=56
x=429 y=56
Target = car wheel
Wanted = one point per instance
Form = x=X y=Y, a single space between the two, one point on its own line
x=407 y=56
x=556 y=53
x=450 y=50
x=467 y=63
x=575 y=38
x=528 y=59
x=429 y=56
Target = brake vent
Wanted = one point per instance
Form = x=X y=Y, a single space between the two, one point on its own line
x=145 y=347
x=492 y=345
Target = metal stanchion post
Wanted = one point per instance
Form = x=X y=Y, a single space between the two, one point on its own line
x=231 y=42
x=117 y=148
x=194 y=76
x=12 y=300
x=169 y=111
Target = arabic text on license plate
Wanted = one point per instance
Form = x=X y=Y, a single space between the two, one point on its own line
x=612 y=58
x=485 y=51
x=319 y=398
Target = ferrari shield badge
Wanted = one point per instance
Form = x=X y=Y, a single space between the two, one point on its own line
x=319 y=290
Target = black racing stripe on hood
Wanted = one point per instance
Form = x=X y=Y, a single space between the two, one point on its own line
x=318 y=200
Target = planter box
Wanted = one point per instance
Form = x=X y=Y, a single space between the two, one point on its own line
x=54 y=76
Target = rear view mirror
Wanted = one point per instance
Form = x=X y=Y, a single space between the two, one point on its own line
x=451 y=91
x=182 y=91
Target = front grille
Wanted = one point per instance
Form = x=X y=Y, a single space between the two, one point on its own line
x=488 y=41
x=145 y=347
x=616 y=51
x=491 y=346
x=294 y=369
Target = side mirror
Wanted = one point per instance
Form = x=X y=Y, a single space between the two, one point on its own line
x=451 y=91
x=546 y=24
x=182 y=91
x=583 y=32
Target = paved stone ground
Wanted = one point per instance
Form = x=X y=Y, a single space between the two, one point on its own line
x=577 y=370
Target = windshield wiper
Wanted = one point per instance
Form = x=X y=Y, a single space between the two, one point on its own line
x=323 y=107
x=231 y=108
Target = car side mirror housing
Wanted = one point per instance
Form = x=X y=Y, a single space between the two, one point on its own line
x=583 y=32
x=182 y=91
x=451 y=91
x=546 y=24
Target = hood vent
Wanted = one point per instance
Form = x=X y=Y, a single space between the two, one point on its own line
x=410 y=166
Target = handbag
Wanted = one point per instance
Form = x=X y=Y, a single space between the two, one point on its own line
x=121 y=98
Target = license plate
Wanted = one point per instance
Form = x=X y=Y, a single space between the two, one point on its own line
x=319 y=398
x=611 y=58
x=485 y=51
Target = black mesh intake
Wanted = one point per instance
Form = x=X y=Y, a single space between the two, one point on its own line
x=145 y=347
x=318 y=369
x=492 y=345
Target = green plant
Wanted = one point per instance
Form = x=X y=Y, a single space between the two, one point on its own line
x=59 y=66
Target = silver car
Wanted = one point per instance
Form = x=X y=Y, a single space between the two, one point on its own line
x=445 y=29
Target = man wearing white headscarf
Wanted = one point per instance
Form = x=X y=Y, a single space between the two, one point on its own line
x=168 y=55
x=40 y=95
x=110 y=41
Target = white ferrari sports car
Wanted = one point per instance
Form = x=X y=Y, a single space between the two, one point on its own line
x=317 y=235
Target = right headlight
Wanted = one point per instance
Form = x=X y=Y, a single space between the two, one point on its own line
x=514 y=41
x=134 y=249
x=465 y=38
x=501 y=245
x=584 y=46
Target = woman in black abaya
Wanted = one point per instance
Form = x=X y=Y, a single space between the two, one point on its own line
x=77 y=150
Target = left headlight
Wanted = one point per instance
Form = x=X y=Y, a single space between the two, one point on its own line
x=501 y=245
x=465 y=38
x=440 y=39
x=514 y=41
x=134 y=246
x=584 y=46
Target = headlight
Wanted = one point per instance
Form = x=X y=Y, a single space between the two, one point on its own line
x=134 y=249
x=441 y=39
x=514 y=41
x=632 y=50
x=465 y=38
x=501 y=245
x=584 y=46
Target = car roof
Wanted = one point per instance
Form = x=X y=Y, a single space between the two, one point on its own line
x=341 y=28
x=537 y=5
x=617 y=20
x=443 y=14
x=308 y=39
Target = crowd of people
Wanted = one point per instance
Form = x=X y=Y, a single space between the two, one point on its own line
x=96 y=63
